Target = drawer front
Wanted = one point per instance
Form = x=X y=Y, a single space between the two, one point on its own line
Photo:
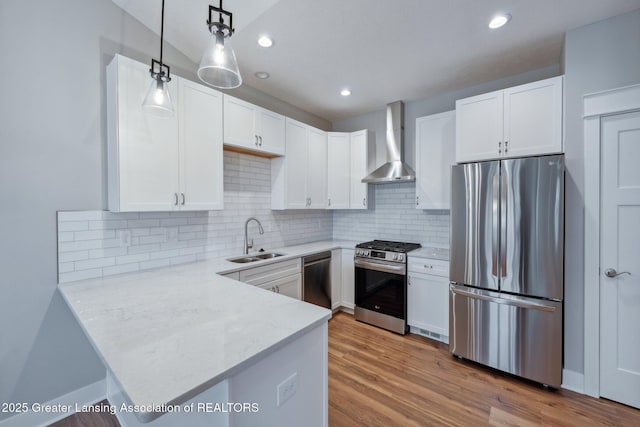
x=267 y=273
x=434 y=267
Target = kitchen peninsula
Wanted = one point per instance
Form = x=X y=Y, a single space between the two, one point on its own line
x=174 y=336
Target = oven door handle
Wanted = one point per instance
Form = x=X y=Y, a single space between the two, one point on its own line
x=385 y=268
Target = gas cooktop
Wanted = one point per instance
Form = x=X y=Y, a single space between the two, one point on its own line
x=388 y=246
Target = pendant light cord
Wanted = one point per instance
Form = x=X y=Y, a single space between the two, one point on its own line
x=161 y=34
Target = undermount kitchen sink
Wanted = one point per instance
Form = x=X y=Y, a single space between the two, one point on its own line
x=255 y=257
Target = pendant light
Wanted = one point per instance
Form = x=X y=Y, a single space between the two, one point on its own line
x=158 y=100
x=218 y=66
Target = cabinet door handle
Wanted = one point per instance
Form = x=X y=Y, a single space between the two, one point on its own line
x=506 y=148
x=183 y=199
x=277 y=289
x=364 y=202
x=417 y=200
x=175 y=201
x=256 y=136
x=260 y=138
x=329 y=201
x=309 y=201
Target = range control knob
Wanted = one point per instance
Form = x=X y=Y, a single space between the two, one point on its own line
x=359 y=252
x=395 y=257
x=401 y=257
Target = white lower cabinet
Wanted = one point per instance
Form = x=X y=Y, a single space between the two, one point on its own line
x=428 y=298
x=283 y=277
x=290 y=286
x=336 y=279
x=235 y=275
x=348 y=279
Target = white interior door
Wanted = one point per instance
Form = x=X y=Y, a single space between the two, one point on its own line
x=620 y=254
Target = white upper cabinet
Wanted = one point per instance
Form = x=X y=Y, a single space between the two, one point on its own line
x=298 y=180
x=520 y=121
x=201 y=159
x=248 y=127
x=339 y=170
x=161 y=163
x=351 y=156
x=317 y=169
x=533 y=118
x=435 y=153
x=359 y=169
x=478 y=127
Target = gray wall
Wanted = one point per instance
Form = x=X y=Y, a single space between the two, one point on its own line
x=52 y=157
x=53 y=143
x=600 y=56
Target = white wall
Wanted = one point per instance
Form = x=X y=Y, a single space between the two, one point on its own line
x=600 y=56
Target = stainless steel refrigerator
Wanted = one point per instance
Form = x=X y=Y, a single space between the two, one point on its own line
x=507 y=265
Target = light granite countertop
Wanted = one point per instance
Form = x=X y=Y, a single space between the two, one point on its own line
x=441 y=254
x=169 y=334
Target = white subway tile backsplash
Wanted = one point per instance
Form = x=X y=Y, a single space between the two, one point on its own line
x=128 y=259
x=73 y=226
x=80 y=275
x=72 y=256
x=94 y=235
x=94 y=263
x=119 y=269
x=90 y=244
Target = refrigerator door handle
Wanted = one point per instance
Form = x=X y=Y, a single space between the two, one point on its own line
x=503 y=222
x=495 y=218
x=512 y=302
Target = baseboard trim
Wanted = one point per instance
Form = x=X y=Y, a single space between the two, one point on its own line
x=87 y=395
x=572 y=380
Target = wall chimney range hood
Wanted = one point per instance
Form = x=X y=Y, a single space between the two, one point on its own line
x=395 y=169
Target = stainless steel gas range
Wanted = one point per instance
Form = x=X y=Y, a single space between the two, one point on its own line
x=381 y=283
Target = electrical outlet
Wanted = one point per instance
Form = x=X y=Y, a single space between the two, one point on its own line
x=125 y=238
x=287 y=388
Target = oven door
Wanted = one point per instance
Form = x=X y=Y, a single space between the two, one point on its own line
x=381 y=287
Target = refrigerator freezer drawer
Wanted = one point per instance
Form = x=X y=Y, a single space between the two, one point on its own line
x=519 y=335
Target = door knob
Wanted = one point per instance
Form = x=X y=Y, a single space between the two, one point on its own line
x=611 y=272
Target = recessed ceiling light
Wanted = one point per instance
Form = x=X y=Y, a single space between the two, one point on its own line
x=499 y=20
x=265 y=41
x=345 y=92
x=262 y=74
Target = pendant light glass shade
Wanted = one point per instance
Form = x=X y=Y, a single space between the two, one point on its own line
x=158 y=99
x=219 y=67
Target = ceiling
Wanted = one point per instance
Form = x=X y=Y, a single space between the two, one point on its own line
x=382 y=50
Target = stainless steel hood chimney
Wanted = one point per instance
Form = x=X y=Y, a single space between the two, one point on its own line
x=395 y=170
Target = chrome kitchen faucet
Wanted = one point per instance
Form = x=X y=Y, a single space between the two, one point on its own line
x=248 y=244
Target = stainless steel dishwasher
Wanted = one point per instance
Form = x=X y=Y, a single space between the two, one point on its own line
x=316 y=279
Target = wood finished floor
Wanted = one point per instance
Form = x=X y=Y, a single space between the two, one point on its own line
x=377 y=378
